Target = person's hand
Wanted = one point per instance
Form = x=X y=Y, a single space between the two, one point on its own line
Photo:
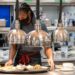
x=51 y=64
x=9 y=62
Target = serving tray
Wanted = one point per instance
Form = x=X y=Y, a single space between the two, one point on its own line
x=24 y=72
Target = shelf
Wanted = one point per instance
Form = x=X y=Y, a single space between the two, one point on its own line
x=54 y=4
x=68 y=28
x=4 y=30
x=51 y=28
x=34 y=3
x=60 y=59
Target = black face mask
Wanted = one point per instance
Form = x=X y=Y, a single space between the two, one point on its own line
x=23 y=22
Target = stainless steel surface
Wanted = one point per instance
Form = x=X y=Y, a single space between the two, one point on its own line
x=61 y=34
x=38 y=37
x=16 y=36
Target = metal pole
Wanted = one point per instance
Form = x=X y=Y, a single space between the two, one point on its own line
x=37 y=9
x=17 y=9
x=60 y=12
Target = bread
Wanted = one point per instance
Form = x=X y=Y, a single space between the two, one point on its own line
x=37 y=67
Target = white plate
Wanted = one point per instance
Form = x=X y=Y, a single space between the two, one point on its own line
x=65 y=70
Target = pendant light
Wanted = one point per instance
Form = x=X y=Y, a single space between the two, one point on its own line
x=60 y=34
x=16 y=36
x=38 y=37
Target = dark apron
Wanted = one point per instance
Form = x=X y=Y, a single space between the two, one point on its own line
x=27 y=55
x=32 y=56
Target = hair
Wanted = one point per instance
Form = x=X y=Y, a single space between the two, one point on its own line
x=26 y=8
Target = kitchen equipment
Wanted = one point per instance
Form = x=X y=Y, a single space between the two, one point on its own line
x=60 y=34
x=16 y=36
x=38 y=37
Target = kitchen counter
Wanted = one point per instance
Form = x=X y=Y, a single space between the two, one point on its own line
x=61 y=59
x=48 y=73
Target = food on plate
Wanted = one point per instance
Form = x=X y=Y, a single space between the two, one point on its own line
x=13 y=68
x=9 y=68
x=20 y=67
x=29 y=67
x=37 y=67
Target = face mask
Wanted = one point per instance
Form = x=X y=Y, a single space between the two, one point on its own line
x=23 y=22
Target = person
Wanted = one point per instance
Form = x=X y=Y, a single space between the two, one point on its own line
x=27 y=55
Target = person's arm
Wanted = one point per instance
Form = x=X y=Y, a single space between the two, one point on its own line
x=49 y=54
x=12 y=54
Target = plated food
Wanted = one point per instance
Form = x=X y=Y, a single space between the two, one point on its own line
x=23 y=68
x=36 y=68
x=13 y=68
x=8 y=68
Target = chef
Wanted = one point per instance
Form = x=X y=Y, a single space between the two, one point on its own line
x=24 y=55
